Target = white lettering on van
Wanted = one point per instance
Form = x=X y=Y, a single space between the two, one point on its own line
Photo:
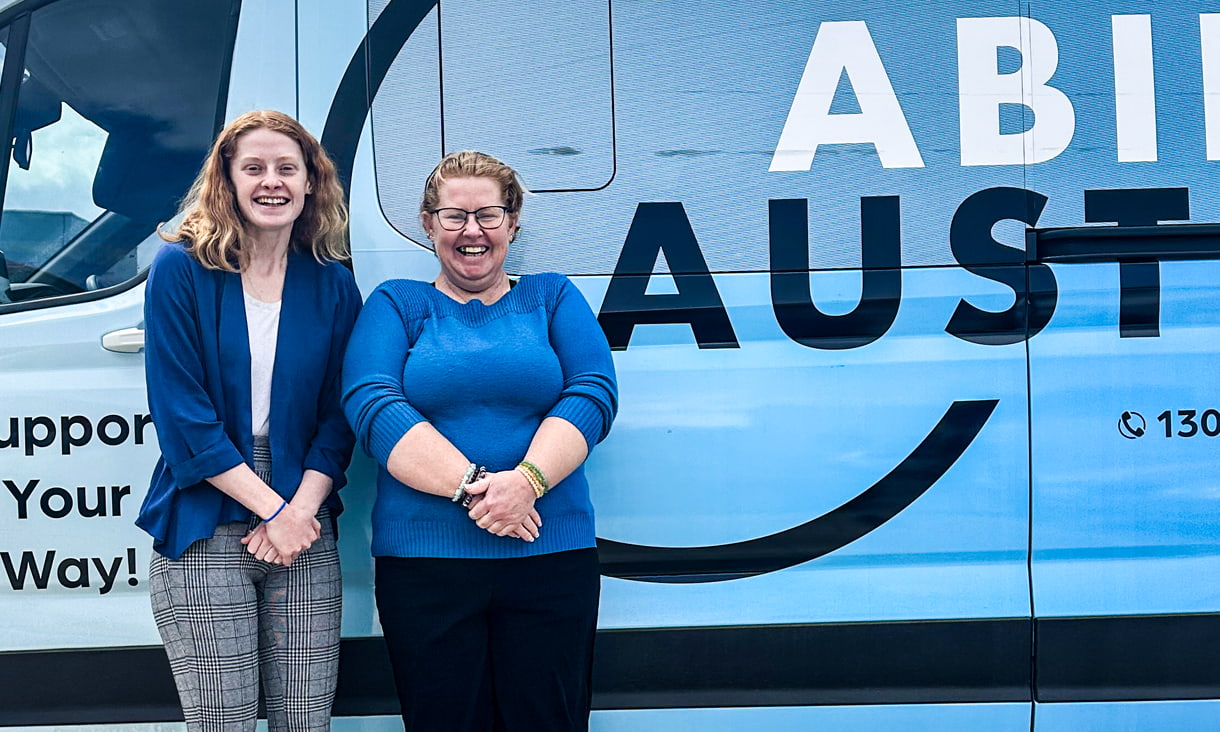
x=1209 y=37
x=983 y=90
x=1134 y=88
x=845 y=48
x=987 y=90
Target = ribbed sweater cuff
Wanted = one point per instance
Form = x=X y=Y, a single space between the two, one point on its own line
x=584 y=414
x=388 y=428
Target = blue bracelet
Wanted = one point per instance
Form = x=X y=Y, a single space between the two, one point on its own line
x=277 y=511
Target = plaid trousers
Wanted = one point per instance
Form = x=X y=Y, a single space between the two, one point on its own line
x=227 y=618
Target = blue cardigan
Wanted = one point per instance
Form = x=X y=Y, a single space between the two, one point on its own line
x=197 y=363
x=485 y=376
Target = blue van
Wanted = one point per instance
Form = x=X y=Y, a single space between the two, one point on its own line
x=915 y=310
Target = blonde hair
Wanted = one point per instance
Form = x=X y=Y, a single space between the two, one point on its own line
x=212 y=224
x=473 y=164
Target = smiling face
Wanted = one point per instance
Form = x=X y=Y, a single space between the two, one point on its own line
x=472 y=258
x=270 y=181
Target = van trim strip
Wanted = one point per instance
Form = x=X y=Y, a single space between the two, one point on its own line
x=1129 y=658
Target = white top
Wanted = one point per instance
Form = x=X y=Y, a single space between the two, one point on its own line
x=263 y=324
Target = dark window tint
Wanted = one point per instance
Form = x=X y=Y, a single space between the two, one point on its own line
x=116 y=104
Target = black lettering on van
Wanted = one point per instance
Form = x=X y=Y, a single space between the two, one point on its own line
x=80 y=566
x=54 y=495
x=33 y=440
x=117 y=492
x=72 y=431
x=881 y=276
x=977 y=251
x=1139 y=283
x=28 y=566
x=71 y=572
x=68 y=439
x=22 y=496
x=141 y=421
x=99 y=507
x=657 y=228
x=103 y=430
x=57 y=502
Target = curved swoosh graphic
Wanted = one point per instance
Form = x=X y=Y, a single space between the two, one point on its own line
x=363 y=77
x=885 y=499
x=882 y=501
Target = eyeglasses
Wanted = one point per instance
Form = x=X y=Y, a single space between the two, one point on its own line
x=454 y=219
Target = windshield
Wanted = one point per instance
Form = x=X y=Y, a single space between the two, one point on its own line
x=116 y=104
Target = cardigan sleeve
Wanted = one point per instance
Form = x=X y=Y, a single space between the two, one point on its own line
x=190 y=430
x=330 y=450
x=373 y=396
x=589 y=399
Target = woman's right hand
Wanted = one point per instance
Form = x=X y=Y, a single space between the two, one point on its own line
x=504 y=505
x=292 y=531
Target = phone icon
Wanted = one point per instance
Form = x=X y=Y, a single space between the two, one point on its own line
x=1132 y=425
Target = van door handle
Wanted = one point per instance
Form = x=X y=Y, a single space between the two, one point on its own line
x=1159 y=243
x=127 y=340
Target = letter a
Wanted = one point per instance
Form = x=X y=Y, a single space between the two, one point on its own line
x=845 y=47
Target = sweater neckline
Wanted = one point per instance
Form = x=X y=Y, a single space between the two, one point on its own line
x=512 y=283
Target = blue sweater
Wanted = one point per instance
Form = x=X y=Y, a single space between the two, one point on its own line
x=197 y=363
x=485 y=376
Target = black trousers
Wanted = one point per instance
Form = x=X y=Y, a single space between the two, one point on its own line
x=481 y=645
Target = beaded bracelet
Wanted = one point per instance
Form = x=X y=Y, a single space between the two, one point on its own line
x=536 y=478
x=283 y=505
x=461 y=489
x=546 y=485
x=474 y=473
x=531 y=480
x=468 y=498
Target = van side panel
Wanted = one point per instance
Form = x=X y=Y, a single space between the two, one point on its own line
x=913 y=309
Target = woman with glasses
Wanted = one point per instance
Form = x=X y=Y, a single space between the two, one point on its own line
x=480 y=397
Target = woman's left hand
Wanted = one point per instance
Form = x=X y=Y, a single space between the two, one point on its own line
x=505 y=505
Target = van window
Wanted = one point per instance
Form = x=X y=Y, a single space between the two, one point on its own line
x=116 y=104
x=534 y=88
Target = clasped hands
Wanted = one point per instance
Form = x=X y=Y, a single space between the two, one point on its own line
x=504 y=505
x=282 y=539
